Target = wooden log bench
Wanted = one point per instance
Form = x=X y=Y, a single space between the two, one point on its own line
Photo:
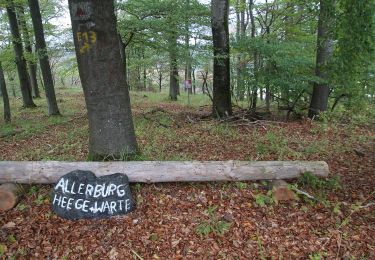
x=46 y=172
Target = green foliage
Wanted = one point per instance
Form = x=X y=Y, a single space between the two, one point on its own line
x=213 y=224
x=3 y=250
x=264 y=200
x=275 y=143
x=317 y=256
x=309 y=180
x=40 y=199
x=21 y=207
x=241 y=185
x=11 y=239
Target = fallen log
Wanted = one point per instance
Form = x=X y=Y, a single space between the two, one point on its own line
x=9 y=196
x=44 y=172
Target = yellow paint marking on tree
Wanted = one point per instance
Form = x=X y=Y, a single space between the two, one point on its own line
x=86 y=40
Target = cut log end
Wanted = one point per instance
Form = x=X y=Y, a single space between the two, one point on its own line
x=9 y=196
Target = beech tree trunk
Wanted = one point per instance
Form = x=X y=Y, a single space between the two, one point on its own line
x=43 y=57
x=153 y=171
x=20 y=59
x=4 y=93
x=319 y=99
x=111 y=129
x=28 y=47
x=222 y=105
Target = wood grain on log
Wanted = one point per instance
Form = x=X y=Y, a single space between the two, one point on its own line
x=155 y=171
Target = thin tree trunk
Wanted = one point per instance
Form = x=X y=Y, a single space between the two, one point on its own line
x=319 y=99
x=123 y=57
x=29 y=50
x=173 y=72
x=144 y=71
x=241 y=66
x=222 y=105
x=4 y=93
x=194 y=81
x=160 y=80
x=111 y=129
x=188 y=67
x=20 y=59
x=43 y=57
x=255 y=55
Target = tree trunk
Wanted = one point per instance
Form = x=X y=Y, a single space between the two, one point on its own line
x=4 y=93
x=188 y=67
x=43 y=57
x=20 y=59
x=160 y=79
x=153 y=171
x=194 y=81
x=29 y=50
x=123 y=57
x=144 y=71
x=222 y=105
x=319 y=99
x=111 y=129
x=173 y=72
x=241 y=66
x=255 y=55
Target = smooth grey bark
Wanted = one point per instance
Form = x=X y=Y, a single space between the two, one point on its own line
x=28 y=47
x=41 y=49
x=319 y=99
x=4 y=93
x=20 y=59
x=111 y=129
x=222 y=105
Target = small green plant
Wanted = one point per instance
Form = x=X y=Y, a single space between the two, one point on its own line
x=241 y=185
x=21 y=207
x=317 y=256
x=33 y=190
x=260 y=248
x=264 y=200
x=11 y=239
x=213 y=224
x=3 y=249
x=40 y=199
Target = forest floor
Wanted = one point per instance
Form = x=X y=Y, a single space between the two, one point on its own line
x=218 y=220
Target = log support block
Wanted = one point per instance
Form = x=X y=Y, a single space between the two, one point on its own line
x=281 y=191
x=9 y=196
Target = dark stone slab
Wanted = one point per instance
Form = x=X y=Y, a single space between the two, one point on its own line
x=81 y=195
